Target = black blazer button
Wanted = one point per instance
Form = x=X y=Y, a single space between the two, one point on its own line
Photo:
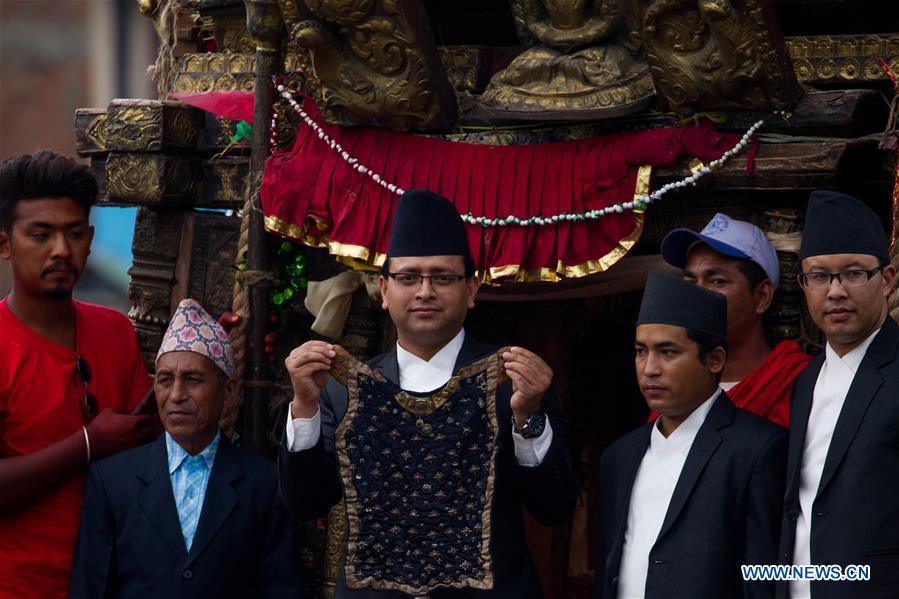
x=187 y=575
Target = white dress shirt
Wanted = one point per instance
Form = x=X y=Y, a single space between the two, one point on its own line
x=829 y=395
x=421 y=376
x=653 y=487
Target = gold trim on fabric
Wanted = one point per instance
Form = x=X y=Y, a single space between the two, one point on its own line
x=422 y=406
x=644 y=173
x=695 y=165
x=514 y=273
x=495 y=376
x=362 y=258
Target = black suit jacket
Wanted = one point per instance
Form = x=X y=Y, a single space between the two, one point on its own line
x=310 y=485
x=130 y=542
x=855 y=515
x=725 y=510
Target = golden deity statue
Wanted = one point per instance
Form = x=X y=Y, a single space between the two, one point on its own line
x=575 y=65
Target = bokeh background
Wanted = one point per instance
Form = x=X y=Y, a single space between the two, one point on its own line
x=59 y=55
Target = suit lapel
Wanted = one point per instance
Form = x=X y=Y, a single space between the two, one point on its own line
x=799 y=413
x=388 y=366
x=865 y=384
x=220 y=496
x=628 y=475
x=471 y=350
x=157 y=500
x=704 y=445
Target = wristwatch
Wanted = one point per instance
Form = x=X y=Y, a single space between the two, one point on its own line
x=533 y=427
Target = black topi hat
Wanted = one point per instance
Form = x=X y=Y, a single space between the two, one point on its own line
x=669 y=299
x=426 y=224
x=836 y=223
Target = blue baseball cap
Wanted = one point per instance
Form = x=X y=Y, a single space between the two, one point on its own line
x=728 y=236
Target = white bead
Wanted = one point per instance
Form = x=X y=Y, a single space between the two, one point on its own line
x=376 y=177
x=392 y=188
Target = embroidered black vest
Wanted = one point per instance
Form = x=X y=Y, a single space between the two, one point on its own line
x=418 y=477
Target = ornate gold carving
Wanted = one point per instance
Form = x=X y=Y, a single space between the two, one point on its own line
x=96 y=131
x=90 y=131
x=465 y=66
x=226 y=82
x=712 y=55
x=133 y=176
x=573 y=64
x=150 y=126
x=157 y=235
x=135 y=128
x=232 y=35
x=224 y=182
x=833 y=58
x=379 y=67
x=181 y=127
x=136 y=179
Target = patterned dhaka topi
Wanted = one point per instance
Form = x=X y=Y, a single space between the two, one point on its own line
x=418 y=474
x=193 y=329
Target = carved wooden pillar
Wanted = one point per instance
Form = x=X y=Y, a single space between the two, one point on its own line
x=157 y=236
x=266 y=26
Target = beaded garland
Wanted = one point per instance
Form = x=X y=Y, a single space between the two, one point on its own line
x=639 y=203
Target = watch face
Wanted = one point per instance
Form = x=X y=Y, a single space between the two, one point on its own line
x=535 y=425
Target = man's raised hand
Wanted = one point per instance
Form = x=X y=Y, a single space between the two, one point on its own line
x=308 y=366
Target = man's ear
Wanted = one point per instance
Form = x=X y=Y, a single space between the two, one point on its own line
x=889 y=279
x=382 y=285
x=5 y=250
x=473 y=285
x=231 y=386
x=716 y=360
x=762 y=296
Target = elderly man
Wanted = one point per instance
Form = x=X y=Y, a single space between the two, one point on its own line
x=188 y=515
x=734 y=258
x=689 y=498
x=431 y=452
x=842 y=500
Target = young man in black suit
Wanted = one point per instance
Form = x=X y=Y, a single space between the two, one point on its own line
x=842 y=499
x=438 y=488
x=690 y=497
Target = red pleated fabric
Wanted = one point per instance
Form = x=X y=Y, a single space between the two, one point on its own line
x=312 y=194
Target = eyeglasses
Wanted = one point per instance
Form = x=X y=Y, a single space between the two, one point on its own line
x=408 y=279
x=88 y=402
x=848 y=278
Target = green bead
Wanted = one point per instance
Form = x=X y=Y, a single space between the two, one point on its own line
x=288 y=293
x=277 y=299
x=304 y=282
x=286 y=246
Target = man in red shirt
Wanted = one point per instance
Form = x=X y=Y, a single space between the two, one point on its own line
x=70 y=373
x=734 y=258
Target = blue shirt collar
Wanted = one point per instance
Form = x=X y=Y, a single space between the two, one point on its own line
x=177 y=454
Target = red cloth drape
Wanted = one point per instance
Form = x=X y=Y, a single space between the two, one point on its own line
x=234 y=105
x=312 y=194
